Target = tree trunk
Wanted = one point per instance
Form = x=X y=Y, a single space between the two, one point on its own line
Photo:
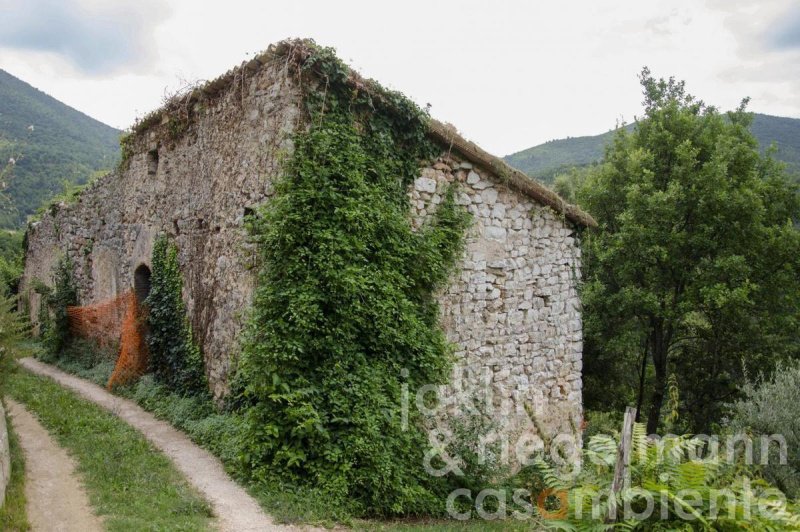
x=640 y=394
x=657 y=399
x=658 y=349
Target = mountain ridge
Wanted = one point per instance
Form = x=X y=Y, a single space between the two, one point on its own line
x=45 y=145
x=545 y=161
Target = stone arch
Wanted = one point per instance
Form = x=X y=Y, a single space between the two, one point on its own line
x=141 y=282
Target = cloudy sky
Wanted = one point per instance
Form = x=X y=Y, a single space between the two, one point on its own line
x=508 y=73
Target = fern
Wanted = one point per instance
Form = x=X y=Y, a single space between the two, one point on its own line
x=714 y=496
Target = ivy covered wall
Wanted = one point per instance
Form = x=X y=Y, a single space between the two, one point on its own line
x=323 y=236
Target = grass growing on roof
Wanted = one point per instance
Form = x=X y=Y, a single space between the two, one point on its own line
x=130 y=484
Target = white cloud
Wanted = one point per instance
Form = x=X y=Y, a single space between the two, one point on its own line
x=95 y=37
x=509 y=74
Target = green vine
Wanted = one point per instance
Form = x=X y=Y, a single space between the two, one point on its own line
x=175 y=358
x=53 y=317
x=345 y=304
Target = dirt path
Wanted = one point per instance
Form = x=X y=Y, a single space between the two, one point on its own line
x=56 y=500
x=235 y=509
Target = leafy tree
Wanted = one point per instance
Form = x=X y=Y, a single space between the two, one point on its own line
x=569 y=184
x=696 y=266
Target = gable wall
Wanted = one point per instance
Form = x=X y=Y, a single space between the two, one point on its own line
x=513 y=309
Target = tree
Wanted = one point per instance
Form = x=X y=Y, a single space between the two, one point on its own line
x=694 y=268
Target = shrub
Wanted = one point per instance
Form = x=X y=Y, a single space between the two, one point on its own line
x=87 y=359
x=596 y=422
x=772 y=408
x=12 y=328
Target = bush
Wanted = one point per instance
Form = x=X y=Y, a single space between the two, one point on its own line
x=12 y=328
x=601 y=423
x=772 y=408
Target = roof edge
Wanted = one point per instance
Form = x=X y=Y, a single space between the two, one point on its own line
x=437 y=131
x=506 y=174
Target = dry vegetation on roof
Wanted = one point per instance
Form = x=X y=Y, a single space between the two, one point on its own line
x=177 y=114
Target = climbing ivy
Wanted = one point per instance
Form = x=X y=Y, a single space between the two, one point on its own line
x=344 y=312
x=175 y=358
x=53 y=317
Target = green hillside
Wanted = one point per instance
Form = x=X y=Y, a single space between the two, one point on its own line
x=547 y=160
x=50 y=143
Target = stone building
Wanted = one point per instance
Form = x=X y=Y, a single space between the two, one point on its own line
x=195 y=168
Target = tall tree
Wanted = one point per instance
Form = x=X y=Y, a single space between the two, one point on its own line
x=695 y=267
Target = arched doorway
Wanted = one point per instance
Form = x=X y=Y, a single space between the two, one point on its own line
x=141 y=283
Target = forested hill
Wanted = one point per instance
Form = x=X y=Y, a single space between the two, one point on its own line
x=547 y=160
x=50 y=144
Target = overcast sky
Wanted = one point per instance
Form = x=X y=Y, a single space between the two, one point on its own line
x=508 y=74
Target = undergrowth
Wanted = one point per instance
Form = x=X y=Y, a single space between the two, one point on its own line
x=674 y=483
x=667 y=479
x=218 y=431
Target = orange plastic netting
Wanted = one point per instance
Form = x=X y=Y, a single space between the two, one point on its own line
x=116 y=320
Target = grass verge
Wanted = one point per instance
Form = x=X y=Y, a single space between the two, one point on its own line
x=215 y=431
x=130 y=484
x=13 y=517
x=218 y=432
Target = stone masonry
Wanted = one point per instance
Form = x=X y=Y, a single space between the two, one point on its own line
x=512 y=310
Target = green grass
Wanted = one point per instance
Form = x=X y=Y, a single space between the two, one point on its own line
x=130 y=484
x=13 y=517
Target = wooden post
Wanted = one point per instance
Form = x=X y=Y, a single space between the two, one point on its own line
x=621 y=470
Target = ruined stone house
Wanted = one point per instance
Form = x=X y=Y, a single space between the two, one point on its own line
x=197 y=167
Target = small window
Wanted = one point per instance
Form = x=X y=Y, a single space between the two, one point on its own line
x=152 y=162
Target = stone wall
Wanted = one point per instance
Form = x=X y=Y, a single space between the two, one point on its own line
x=195 y=188
x=512 y=310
